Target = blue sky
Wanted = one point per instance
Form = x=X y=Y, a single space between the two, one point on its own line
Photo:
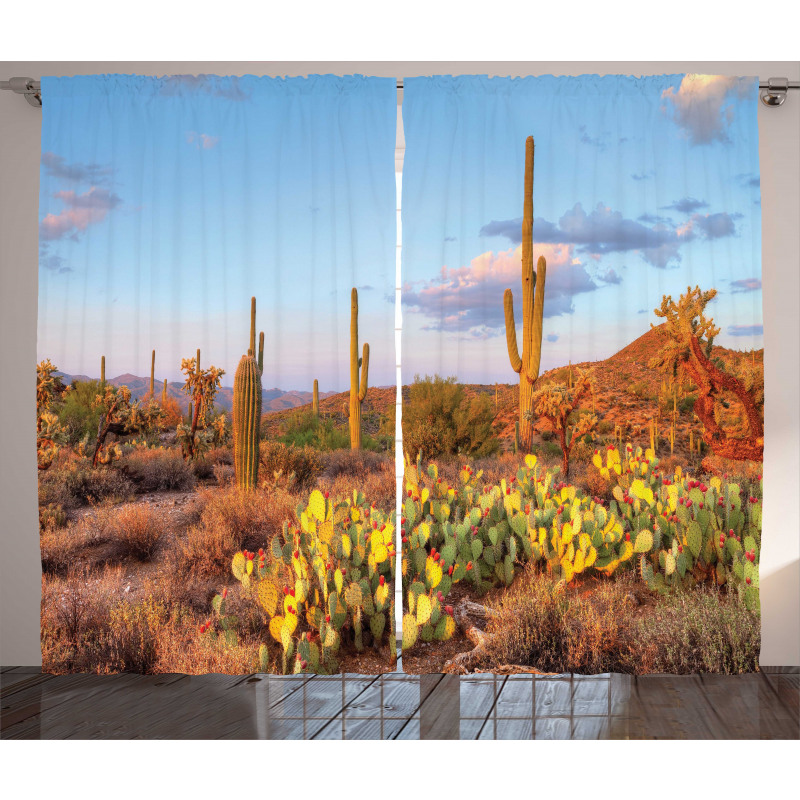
x=641 y=188
x=166 y=203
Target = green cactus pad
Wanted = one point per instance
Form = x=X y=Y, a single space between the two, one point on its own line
x=644 y=542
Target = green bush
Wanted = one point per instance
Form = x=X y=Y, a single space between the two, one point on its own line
x=77 y=414
x=303 y=429
x=440 y=420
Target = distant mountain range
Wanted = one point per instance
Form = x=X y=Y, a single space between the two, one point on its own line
x=272 y=399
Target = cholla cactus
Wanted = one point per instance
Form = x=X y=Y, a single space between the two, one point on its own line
x=688 y=350
x=50 y=434
x=555 y=403
x=201 y=385
x=117 y=409
x=527 y=365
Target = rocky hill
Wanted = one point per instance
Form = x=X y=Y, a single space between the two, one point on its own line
x=628 y=393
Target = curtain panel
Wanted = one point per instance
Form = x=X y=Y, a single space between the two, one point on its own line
x=582 y=362
x=215 y=323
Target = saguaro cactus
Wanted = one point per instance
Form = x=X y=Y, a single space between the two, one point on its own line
x=527 y=366
x=164 y=393
x=261 y=352
x=246 y=421
x=102 y=371
x=153 y=375
x=247 y=410
x=315 y=401
x=358 y=390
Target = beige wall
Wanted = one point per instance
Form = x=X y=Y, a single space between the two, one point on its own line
x=779 y=131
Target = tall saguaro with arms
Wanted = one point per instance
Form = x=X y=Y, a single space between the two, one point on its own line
x=527 y=365
x=358 y=389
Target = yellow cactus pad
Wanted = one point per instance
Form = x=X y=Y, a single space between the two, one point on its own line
x=409 y=631
x=433 y=572
x=380 y=553
x=316 y=504
x=423 y=609
x=275 y=626
x=267 y=596
x=382 y=594
x=424 y=532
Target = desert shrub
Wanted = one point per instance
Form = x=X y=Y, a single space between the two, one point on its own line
x=352 y=463
x=78 y=413
x=301 y=428
x=224 y=474
x=137 y=530
x=285 y=459
x=605 y=426
x=547 y=450
x=378 y=485
x=701 y=631
x=51 y=517
x=74 y=619
x=220 y=455
x=581 y=452
x=208 y=550
x=333 y=437
x=641 y=390
x=686 y=406
x=202 y=468
x=547 y=436
x=58 y=550
x=157 y=470
x=133 y=634
x=230 y=519
x=596 y=485
x=78 y=485
x=539 y=626
x=439 y=419
x=598 y=631
x=173 y=414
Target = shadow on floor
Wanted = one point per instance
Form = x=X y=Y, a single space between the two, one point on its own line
x=398 y=706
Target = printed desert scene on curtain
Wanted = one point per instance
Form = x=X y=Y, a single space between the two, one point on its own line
x=568 y=511
x=217 y=486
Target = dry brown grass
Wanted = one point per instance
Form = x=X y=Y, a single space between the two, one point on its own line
x=231 y=519
x=354 y=463
x=603 y=630
x=76 y=484
x=137 y=531
x=594 y=483
x=282 y=460
x=378 y=487
x=89 y=624
x=158 y=470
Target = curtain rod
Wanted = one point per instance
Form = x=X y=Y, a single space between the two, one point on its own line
x=773 y=91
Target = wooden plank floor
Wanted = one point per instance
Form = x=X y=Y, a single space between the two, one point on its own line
x=763 y=705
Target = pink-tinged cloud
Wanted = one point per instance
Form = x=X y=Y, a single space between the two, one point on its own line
x=81 y=210
x=702 y=107
x=746 y=285
x=469 y=300
x=202 y=141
